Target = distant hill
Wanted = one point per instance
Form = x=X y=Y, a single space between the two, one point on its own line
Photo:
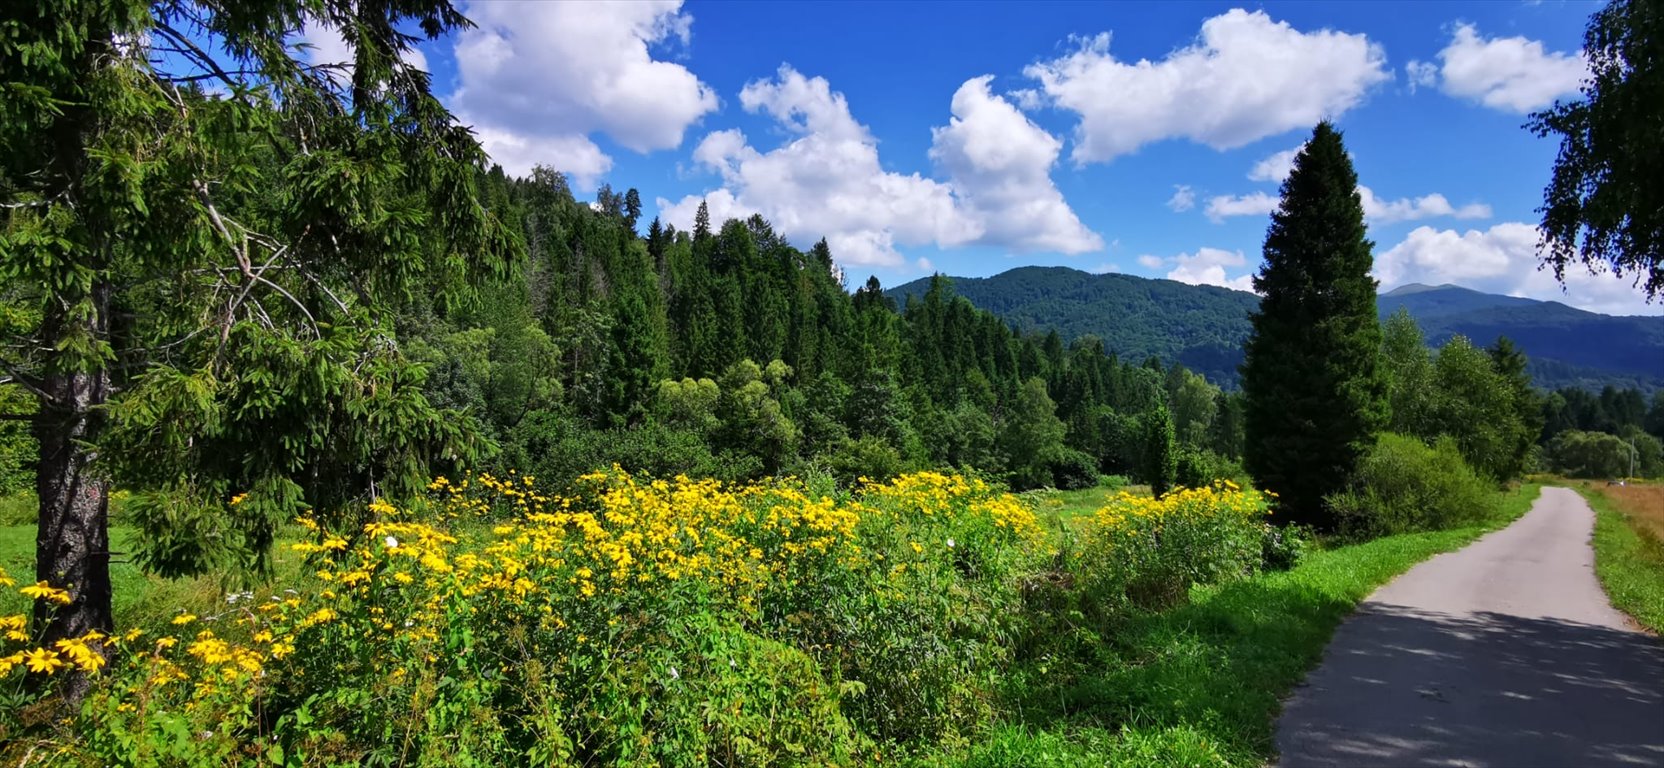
x=1204 y=327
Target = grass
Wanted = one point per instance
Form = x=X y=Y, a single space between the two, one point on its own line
x=1629 y=550
x=1071 y=505
x=1201 y=685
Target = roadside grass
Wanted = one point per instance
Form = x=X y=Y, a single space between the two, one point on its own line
x=1629 y=551
x=1202 y=684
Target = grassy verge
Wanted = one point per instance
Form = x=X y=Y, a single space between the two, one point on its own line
x=1629 y=556
x=1202 y=685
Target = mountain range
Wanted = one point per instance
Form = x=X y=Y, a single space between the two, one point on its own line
x=1204 y=327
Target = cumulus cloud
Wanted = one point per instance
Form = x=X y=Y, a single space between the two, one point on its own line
x=1221 y=207
x=1183 y=198
x=1245 y=77
x=538 y=79
x=1514 y=74
x=1000 y=164
x=827 y=181
x=1502 y=259
x=1376 y=209
x=1275 y=167
x=1379 y=211
x=1207 y=266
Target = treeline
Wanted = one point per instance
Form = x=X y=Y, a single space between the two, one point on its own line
x=726 y=352
x=1615 y=433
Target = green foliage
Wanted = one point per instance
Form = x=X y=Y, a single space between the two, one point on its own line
x=1315 y=392
x=1032 y=436
x=1574 y=453
x=1476 y=404
x=1072 y=470
x=1402 y=485
x=1282 y=547
x=1140 y=553
x=1158 y=463
x=1603 y=208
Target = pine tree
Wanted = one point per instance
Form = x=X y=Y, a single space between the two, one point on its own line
x=1315 y=396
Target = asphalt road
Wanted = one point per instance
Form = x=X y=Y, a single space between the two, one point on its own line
x=1506 y=653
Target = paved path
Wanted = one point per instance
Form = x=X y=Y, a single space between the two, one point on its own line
x=1505 y=653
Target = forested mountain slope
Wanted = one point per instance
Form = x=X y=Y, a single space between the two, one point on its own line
x=1203 y=326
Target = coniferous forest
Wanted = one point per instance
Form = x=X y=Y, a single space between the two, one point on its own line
x=726 y=352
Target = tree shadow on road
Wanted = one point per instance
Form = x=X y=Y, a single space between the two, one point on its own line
x=1402 y=686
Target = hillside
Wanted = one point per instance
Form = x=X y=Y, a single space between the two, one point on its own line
x=1203 y=327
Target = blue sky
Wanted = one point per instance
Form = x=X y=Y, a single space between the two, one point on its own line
x=972 y=138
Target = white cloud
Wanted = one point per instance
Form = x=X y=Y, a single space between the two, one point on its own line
x=1275 y=167
x=1421 y=74
x=1502 y=259
x=1207 y=266
x=538 y=79
x=1379 y=211
x=1105 y=268
x=326 y=46
x=1183 y=198
x=924 y=265
x=1246 y=77
x=1514 y=74
x=1221 y=207
x=1149 y=261
x=719 y=203
x=827 y=181
x=1000 y=164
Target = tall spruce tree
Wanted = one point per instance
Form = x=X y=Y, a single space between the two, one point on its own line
x=1315 y=396
x=208 y=275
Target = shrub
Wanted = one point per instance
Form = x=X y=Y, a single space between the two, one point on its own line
x=1283 y=547
x=1403 y=485
x=1072 y=470
x=1198 y=468
x=1141 y=552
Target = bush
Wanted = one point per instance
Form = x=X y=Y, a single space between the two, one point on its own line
x=1283 y=547
x=1403 y=485
x=869 y=457
x=1072 y=470
x=1145 y=553
x=1198 y=468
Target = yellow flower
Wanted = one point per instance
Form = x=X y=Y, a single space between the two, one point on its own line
x=43 y=660
x=238 y=499
x=82 y=655
x=183 y=619
x=40 y=590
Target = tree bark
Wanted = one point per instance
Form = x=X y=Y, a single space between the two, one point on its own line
x=72 y=539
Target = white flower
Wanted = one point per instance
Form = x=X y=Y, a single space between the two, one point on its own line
x=950 y=543
x=391 y=542
x=674 y=675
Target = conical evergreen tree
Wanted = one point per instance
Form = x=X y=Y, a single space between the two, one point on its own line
x=1314 y=392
